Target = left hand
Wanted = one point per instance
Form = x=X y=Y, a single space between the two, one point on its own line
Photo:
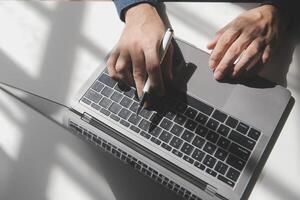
x=253 y=34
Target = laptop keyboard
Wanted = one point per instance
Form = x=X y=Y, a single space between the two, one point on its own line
x=199 y=134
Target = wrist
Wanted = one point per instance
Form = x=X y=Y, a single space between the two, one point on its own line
x=140 y=10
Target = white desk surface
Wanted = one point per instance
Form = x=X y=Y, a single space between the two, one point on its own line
x=51 y=48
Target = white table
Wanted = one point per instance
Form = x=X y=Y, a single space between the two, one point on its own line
x=51 y=48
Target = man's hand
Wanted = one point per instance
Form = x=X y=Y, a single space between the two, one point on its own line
x=252 y=35
x=136 y=55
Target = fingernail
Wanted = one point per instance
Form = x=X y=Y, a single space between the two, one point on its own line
x=218 y=75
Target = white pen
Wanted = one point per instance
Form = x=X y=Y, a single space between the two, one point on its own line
x=165 y=44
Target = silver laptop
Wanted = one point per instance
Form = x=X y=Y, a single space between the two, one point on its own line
x=204 y=140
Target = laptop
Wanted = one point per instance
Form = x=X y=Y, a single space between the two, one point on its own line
x=204 y=140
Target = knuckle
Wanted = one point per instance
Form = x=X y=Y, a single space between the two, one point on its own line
x=153 y=67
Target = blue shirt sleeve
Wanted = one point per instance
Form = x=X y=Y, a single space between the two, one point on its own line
x=123 y=5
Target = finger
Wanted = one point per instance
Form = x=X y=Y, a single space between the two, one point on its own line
x=154 y=72
x=250 y=57
x=111 y=62
x=138 y=70
x=224 y=42
x=232 y=54
x=167 y=64
x=214 y=41
x=266 y=54
x=123 y=68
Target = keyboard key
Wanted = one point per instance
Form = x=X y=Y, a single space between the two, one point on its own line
x=199 y=165
x=209 y=148
x=155 y=131
x=115 y=117
x=115 y=108
x=201 y=118
x=212 y=136
x=239 y=151
x=235 y=162
x=130 y=93
x=199 y=105
x=105 y=102
x=95 y=106
x=187 y=135
x=86 y=101
x=221 y=154
x=165 y=136
x=124 y=123
x=177 y=153
x=188 y=159
x=106 y=91
x=93 y=96
x=124 y=113
x=180 y=119
x=104 y=111
x=223 y=142
x=144 y=125
x=223 y=130
x=198 y=155
x=145 y=135
x=187 y=148
x=212 y=124
x=231 y=122
x=221 y=167
x=176 y=130
x=242 y=140
x=116 y=96
x=191 y=113
x=134 y=119
x=107 y=80
x=242 y=128
x=167 y=147
x=166 y=124
x=155 y=140
x=126 y=102
x=220 y=116
x=233 y=174
x=170 y=114
x=181 y=107
x=190 y=124
x=156 y=118
x=134 y=107
x=211 y=172
x=226 y=180
x=97 y=86
x=198 y=142
x=134 y=128
x=254 y=134
x=145 y=113
x=176 y=142
x=209 y=161
x=200 y=130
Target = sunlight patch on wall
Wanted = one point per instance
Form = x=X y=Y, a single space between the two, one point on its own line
x=88 y=180
x=11 y=136
x=62 y=186
x=25 y=35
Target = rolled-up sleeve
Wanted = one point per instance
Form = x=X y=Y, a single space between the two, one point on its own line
x=123 y=5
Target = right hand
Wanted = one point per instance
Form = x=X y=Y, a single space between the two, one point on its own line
x=136 y=55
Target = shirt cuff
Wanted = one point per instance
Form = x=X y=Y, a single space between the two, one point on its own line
x=123 y=5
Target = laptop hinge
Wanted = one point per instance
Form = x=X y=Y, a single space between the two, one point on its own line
x=86 y=117
x=210 y=190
